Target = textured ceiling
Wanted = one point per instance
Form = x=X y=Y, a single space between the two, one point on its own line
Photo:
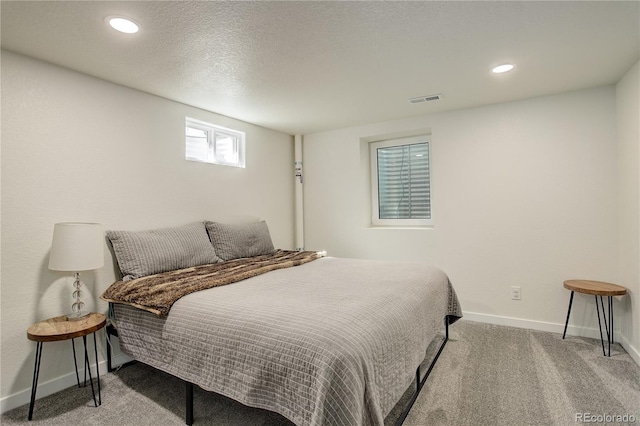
x=302 y=67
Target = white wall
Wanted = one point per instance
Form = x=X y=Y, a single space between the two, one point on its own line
x=628 y=115
x=524 y=194
x=75 y=148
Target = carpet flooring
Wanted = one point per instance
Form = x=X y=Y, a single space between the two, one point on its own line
x=486 y=375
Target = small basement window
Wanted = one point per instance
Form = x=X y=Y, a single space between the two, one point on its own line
x=401 y=182
x=213 y=144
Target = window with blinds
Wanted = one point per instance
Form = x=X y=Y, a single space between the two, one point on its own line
x=401 y=184
x=208 y=143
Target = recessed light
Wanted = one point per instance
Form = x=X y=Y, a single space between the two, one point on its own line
x=124 y=25
x=502 y=68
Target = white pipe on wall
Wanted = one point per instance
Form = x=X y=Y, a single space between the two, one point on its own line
x=299 y=193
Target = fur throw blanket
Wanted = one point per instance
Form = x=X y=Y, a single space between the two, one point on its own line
x=157 y=293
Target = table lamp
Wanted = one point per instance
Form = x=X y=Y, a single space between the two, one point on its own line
x=77 y=247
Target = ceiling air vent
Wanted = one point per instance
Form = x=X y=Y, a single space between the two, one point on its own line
x=428 y=98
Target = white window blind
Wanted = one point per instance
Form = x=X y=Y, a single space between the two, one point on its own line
x=401 y=190
x=213 y=144
x=197 y=144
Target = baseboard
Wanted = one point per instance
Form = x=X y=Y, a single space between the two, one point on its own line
x=572 y=330
x=633 y=352
x=54 y=385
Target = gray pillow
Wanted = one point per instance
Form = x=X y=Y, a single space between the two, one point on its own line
x=150 y=252
x=233 y=241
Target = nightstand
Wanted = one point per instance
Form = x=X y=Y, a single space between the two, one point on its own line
x=596 y=288
x=57 y=329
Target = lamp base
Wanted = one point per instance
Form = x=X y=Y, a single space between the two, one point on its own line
x=77 y=316
x=77 y=309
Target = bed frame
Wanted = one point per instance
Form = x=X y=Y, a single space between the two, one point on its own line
x=420 y=381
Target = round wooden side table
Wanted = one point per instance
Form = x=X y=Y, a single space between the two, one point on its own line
x=596 y=288
x=60 y=328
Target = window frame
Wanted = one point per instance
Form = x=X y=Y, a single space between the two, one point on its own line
x=375 y=207
x=211 y=131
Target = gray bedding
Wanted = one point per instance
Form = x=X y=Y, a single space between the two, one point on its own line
x=331 y=342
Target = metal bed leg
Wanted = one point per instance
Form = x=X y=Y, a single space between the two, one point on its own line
x=420 y=382
x=109 y=364
x=446 y=328
x=95 y=351
x=189 y=405
x=110 y=331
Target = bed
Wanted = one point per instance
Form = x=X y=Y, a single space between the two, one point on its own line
x=322 y=340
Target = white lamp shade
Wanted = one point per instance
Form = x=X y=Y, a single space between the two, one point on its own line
x=77 y=247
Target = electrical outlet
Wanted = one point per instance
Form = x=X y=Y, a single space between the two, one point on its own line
x=515 y=292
